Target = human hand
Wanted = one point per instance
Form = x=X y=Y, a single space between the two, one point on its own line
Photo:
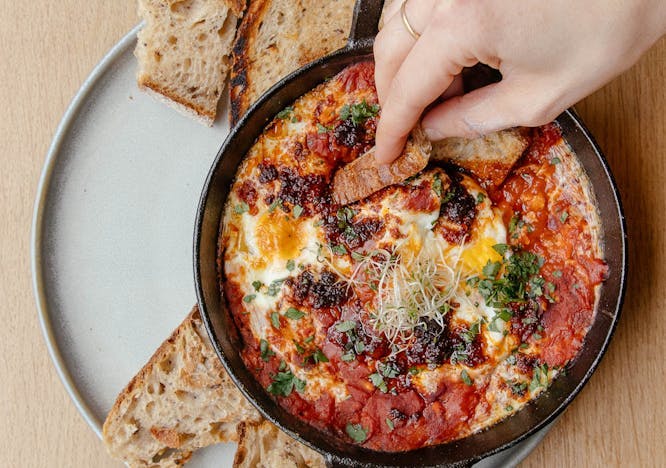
x=551 y=54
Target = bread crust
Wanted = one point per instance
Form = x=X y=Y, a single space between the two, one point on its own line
x=181 y=400
x=266 y=50
x=363 y=176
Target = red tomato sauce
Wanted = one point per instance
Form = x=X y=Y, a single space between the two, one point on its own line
x=403 y=418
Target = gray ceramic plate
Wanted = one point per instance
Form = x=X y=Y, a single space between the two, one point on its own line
x=112 y=238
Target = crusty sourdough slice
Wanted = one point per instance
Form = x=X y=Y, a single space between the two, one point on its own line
x=262 y=445
x=363 y=176
x=183 y=52
x=278 y=36
x=489 y=158
x=180 y=401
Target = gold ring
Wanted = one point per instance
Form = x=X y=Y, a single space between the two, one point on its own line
x=405 y=21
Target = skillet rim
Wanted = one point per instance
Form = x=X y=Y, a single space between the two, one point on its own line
x=332 y=451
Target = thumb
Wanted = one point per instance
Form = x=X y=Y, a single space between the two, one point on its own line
x=508 y=103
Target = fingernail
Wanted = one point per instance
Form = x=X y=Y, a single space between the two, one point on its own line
x=433 y=134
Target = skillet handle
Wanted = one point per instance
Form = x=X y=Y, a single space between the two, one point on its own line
x=365 y=23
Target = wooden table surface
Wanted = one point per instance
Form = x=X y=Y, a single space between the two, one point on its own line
x=48 y=48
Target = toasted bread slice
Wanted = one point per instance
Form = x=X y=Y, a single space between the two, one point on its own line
x=489 y=158
x=278 y=36
x=180 y=401
x=363 y=176
x=183 y=52
x=262 y=445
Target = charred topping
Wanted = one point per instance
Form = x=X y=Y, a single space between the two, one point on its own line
x=319 y=293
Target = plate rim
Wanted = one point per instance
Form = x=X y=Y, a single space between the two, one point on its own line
x=43 y=186
x=36 y=245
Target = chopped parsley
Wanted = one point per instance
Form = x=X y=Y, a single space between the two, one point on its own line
x=323 y=128
x=241 y=208
x=319 y=356
x=555 y=160
x=491 y=269
x=297 y=211
x=469 y=335
x=249 y=298
x=564 y=216
x=285 y=113
x=389 y=370
x=257 y=285
x=539 y=377
x=414 y=370
x=294 y=314
x=345 y=326
x=309 y=339
x=291 y=264
x=557 y=274
x=517 y=388
x=299 y=348
x=275 y=286
x=389 y=423
x=437 y=185
x=284 y=383
x=378 y=381
x=449 y=195
x=275 y=319
x=480 y=198
x=359 y=112
x=277 y=202
x=466 y=378
x=348 y=356
x=265 y=349
x=356 y=432
x=339 y=249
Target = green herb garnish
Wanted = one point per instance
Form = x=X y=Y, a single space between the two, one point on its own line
x=265 y=349
x=356 y=432
x=275 y=319
x=241 y=208
x=359 y=112
x=284 y=383
x=294 y=314
x=465 y=378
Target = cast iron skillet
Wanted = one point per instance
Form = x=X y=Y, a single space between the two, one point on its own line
x=224 y=335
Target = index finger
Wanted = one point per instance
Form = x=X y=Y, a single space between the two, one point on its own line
x=424 y=75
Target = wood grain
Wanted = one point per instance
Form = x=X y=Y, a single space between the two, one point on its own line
x=48 y=48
